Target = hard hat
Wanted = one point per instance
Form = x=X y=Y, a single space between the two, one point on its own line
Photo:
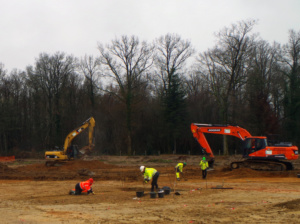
x=204 y=158
x=142 y=168
x=184 y=163
x=91 y=180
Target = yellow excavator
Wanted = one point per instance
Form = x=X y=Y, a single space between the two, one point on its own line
x=70 y=151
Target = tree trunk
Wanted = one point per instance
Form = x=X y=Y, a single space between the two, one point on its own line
x=129 y=148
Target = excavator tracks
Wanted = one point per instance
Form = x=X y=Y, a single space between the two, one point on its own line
x=262 y=165
x=54 y=163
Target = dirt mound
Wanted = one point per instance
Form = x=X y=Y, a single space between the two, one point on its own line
x=238 y=173
x=69 y=166
x=4 y=168
x=127 y=170
x=93 y=164
x=246 y=172
x=67 y=171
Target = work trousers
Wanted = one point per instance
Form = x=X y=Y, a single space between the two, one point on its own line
x=204 y=173
x=154 y=181
x=78 y=189
x=177 y=172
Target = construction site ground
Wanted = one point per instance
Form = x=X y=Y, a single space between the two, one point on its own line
x=34 y=193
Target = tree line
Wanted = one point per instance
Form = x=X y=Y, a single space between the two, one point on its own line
x=144 y=95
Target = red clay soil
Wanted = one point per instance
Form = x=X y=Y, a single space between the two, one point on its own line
x=67 y=171
x=106 y=171
x=38 y=194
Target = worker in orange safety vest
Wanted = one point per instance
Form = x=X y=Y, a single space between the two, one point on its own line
x=84 y=187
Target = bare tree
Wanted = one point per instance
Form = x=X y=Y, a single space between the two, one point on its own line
x=13 y=110
x=49 y=78
x=91 y=69
x=291 y=61
x=126 y=61
x=2 y=70
x=171 y=57
x=3 y=96
x=264 y=90
x=201 y=104
x=172 y=53
x=226 y=66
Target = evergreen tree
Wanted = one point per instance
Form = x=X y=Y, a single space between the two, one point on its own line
x=174 y=110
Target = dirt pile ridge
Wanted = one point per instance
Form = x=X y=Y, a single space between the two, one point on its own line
x=69 y=170
x=128 y=169
x=69 y=166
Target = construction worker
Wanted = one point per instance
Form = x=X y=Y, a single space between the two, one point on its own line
x=179 y=169
x=204 y=166
x=84 y=187
x=150 y=173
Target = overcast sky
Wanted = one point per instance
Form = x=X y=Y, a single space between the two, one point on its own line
x=31 y=27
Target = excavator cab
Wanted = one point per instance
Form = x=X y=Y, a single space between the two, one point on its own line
x=72 y=152
x=253 y=144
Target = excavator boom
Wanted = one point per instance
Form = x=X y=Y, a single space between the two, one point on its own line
x=198 y=131
x=89 y=123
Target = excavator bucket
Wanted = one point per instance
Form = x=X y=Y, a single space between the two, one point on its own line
x=85 y=150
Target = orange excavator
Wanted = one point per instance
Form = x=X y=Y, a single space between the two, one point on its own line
x=257 y=154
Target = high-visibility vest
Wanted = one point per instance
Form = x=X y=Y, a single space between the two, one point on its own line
x=85 y=186
x=203 y=164
x=180 y=166
x=149 y=173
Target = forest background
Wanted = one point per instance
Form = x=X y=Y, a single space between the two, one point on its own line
x=144 y=96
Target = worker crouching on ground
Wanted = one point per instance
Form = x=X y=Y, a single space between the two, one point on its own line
x=204 y=166
x=179 y=169
x=150 y=173
x=84 y=187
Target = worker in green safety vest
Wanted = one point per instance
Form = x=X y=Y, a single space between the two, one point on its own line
x=204 y=166
x=179 y=169
x=150 y=173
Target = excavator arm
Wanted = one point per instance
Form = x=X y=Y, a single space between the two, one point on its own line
x=198 y=131
x=89 y=123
